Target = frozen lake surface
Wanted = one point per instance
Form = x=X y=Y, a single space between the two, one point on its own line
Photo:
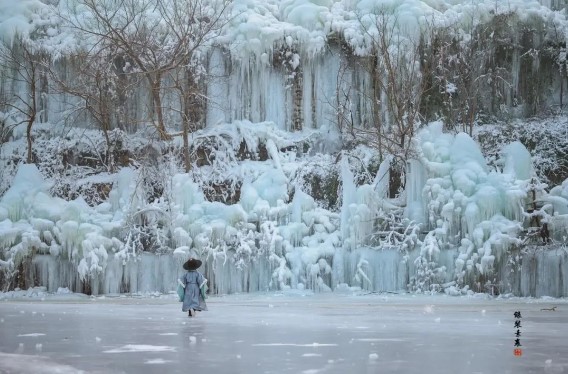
x=282 y=333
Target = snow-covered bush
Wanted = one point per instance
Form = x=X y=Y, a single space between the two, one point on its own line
x=545 y=138
x=428 y=276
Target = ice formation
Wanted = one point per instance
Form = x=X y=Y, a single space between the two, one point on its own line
x=465 y=220
x=468 y=206
x=460 y=218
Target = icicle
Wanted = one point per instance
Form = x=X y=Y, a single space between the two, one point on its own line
x=382 y=179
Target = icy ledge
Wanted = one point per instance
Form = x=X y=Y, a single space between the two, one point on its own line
x=542 y=273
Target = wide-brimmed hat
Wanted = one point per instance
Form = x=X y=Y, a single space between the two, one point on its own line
x=192 y=264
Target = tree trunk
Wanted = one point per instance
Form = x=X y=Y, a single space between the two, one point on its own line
x=298 y=98
x=156 y=86
x=186 y=155
x=376 y=76
x=30 y=157
x=192 y=114
x=109 y=155
x=561 y=86
x=32 y=113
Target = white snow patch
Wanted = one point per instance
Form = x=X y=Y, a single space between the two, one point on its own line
x=315 y=345
x=156 y=361
x=381 y=340
x=141 y=348
x=18 y=363
x=36 y=334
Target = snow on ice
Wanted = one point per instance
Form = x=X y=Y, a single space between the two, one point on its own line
x=302 y=333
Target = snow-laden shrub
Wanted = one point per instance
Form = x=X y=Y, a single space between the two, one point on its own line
x=545 y=138
x=428 y=276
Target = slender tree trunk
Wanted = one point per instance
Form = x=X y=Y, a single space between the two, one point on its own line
x=109 y=155
x=561 y=86
x=186 y=117
x=298 y=98
x=472 y=116
x=104 y=108
x=30 y=157
x=186 y=155
x=193 y=113
x=376 y=76
x=156 y=87
x=33 y=111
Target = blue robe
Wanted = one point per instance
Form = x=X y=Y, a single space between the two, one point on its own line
x=192 y=299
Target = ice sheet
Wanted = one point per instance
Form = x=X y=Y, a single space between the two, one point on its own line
x=285 y=333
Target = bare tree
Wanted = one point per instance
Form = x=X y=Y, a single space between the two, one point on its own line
x=192 y=104
x=101 y=90
x=154 y=37
x=394 y=66
x=397 y=85
x=22 y=102
x=466 y=64
x=457 y=64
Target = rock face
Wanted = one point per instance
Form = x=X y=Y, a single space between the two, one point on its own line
x=344 y=70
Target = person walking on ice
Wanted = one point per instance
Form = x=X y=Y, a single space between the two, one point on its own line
x=194 y=284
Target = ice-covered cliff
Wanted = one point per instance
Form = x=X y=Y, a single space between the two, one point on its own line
x=307 y=134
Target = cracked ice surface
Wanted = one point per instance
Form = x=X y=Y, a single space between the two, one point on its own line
x=283 y=333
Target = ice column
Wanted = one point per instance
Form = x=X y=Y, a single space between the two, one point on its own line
x=415 y=181
x=349 y=197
